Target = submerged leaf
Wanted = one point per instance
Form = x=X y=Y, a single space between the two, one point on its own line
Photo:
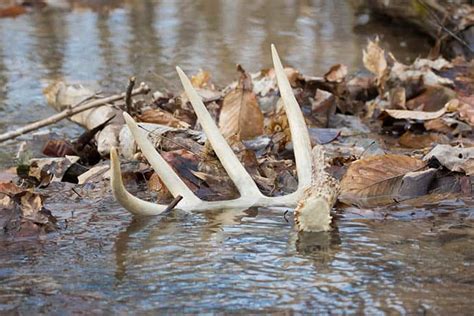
x=240 y=114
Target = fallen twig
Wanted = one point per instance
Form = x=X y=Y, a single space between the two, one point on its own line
x=173 y=203
x=128 y=95
x=142 y=89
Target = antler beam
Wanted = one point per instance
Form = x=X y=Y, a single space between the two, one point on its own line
x=249 y=193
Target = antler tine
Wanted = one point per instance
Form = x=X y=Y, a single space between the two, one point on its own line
x=171 y=180
x=132 y=204
x=298 y=129
x=242 y=180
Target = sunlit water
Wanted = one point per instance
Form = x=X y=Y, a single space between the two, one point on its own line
x=405 y=260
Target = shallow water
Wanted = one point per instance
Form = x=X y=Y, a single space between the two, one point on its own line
x=396 y=261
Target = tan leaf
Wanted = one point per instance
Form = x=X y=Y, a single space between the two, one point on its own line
x=415 y=115
x=374 y=59
x=158 y=116
x=240 y=114
x=336 y=73
x=377 y=180
x=202 y=80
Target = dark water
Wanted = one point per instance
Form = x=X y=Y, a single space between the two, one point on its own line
x=395 y=261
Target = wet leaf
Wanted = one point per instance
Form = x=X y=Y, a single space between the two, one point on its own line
x=22 y=213
x=58 y=148
x=378 y=180
x=240 y=114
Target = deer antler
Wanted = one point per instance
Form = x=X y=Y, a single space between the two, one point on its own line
x=249 y=193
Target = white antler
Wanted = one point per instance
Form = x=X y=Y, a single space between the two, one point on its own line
x=249 y=193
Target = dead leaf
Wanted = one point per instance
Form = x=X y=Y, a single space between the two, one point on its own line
x=454 y=158
x=466 y=110
x=22 y=213
x=398 y=98
x=412 y=140
x=336 y=73
x=240 y=114
x=374 y=59
x=379 y=180
x=415 y=115
x=159 y=116
x=202 y=80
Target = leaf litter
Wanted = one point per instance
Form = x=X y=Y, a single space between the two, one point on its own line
x=396 y=134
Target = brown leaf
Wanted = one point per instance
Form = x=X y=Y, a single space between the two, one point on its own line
x=158 y=116
x=336 y=73
x=241 y=114
x=58 y=148
x=466 y=110
x=411 y=140
x=374 y=59
x=454 y=158
x=415 y=115
x=202 y=80
x=377 y=180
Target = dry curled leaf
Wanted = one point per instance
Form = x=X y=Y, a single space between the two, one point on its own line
x=379 y=180
x=241 y=114
x=415 y=115
x=374 y=59
x=202 y=80
x=158 y=116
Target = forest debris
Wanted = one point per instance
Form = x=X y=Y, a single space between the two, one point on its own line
x=374 y=60
x=93 y=173
x=46 y=170
x=159 y=116
x=336 y=73
x=380 y=180
x=79 y=107
x=454 y=158
x=466 y=112
x=74 y=100
x=202 y=80
x=240 y=114
x=415 y=115
x=22 y=213
x=432 y=99
x=412 y=140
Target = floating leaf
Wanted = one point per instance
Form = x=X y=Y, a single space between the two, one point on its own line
x=240 y=114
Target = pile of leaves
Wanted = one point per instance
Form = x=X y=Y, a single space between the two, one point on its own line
x=394 y=133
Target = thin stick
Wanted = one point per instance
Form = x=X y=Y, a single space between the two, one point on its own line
x=173 y=203
x=142 y=89
x=128 y=95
